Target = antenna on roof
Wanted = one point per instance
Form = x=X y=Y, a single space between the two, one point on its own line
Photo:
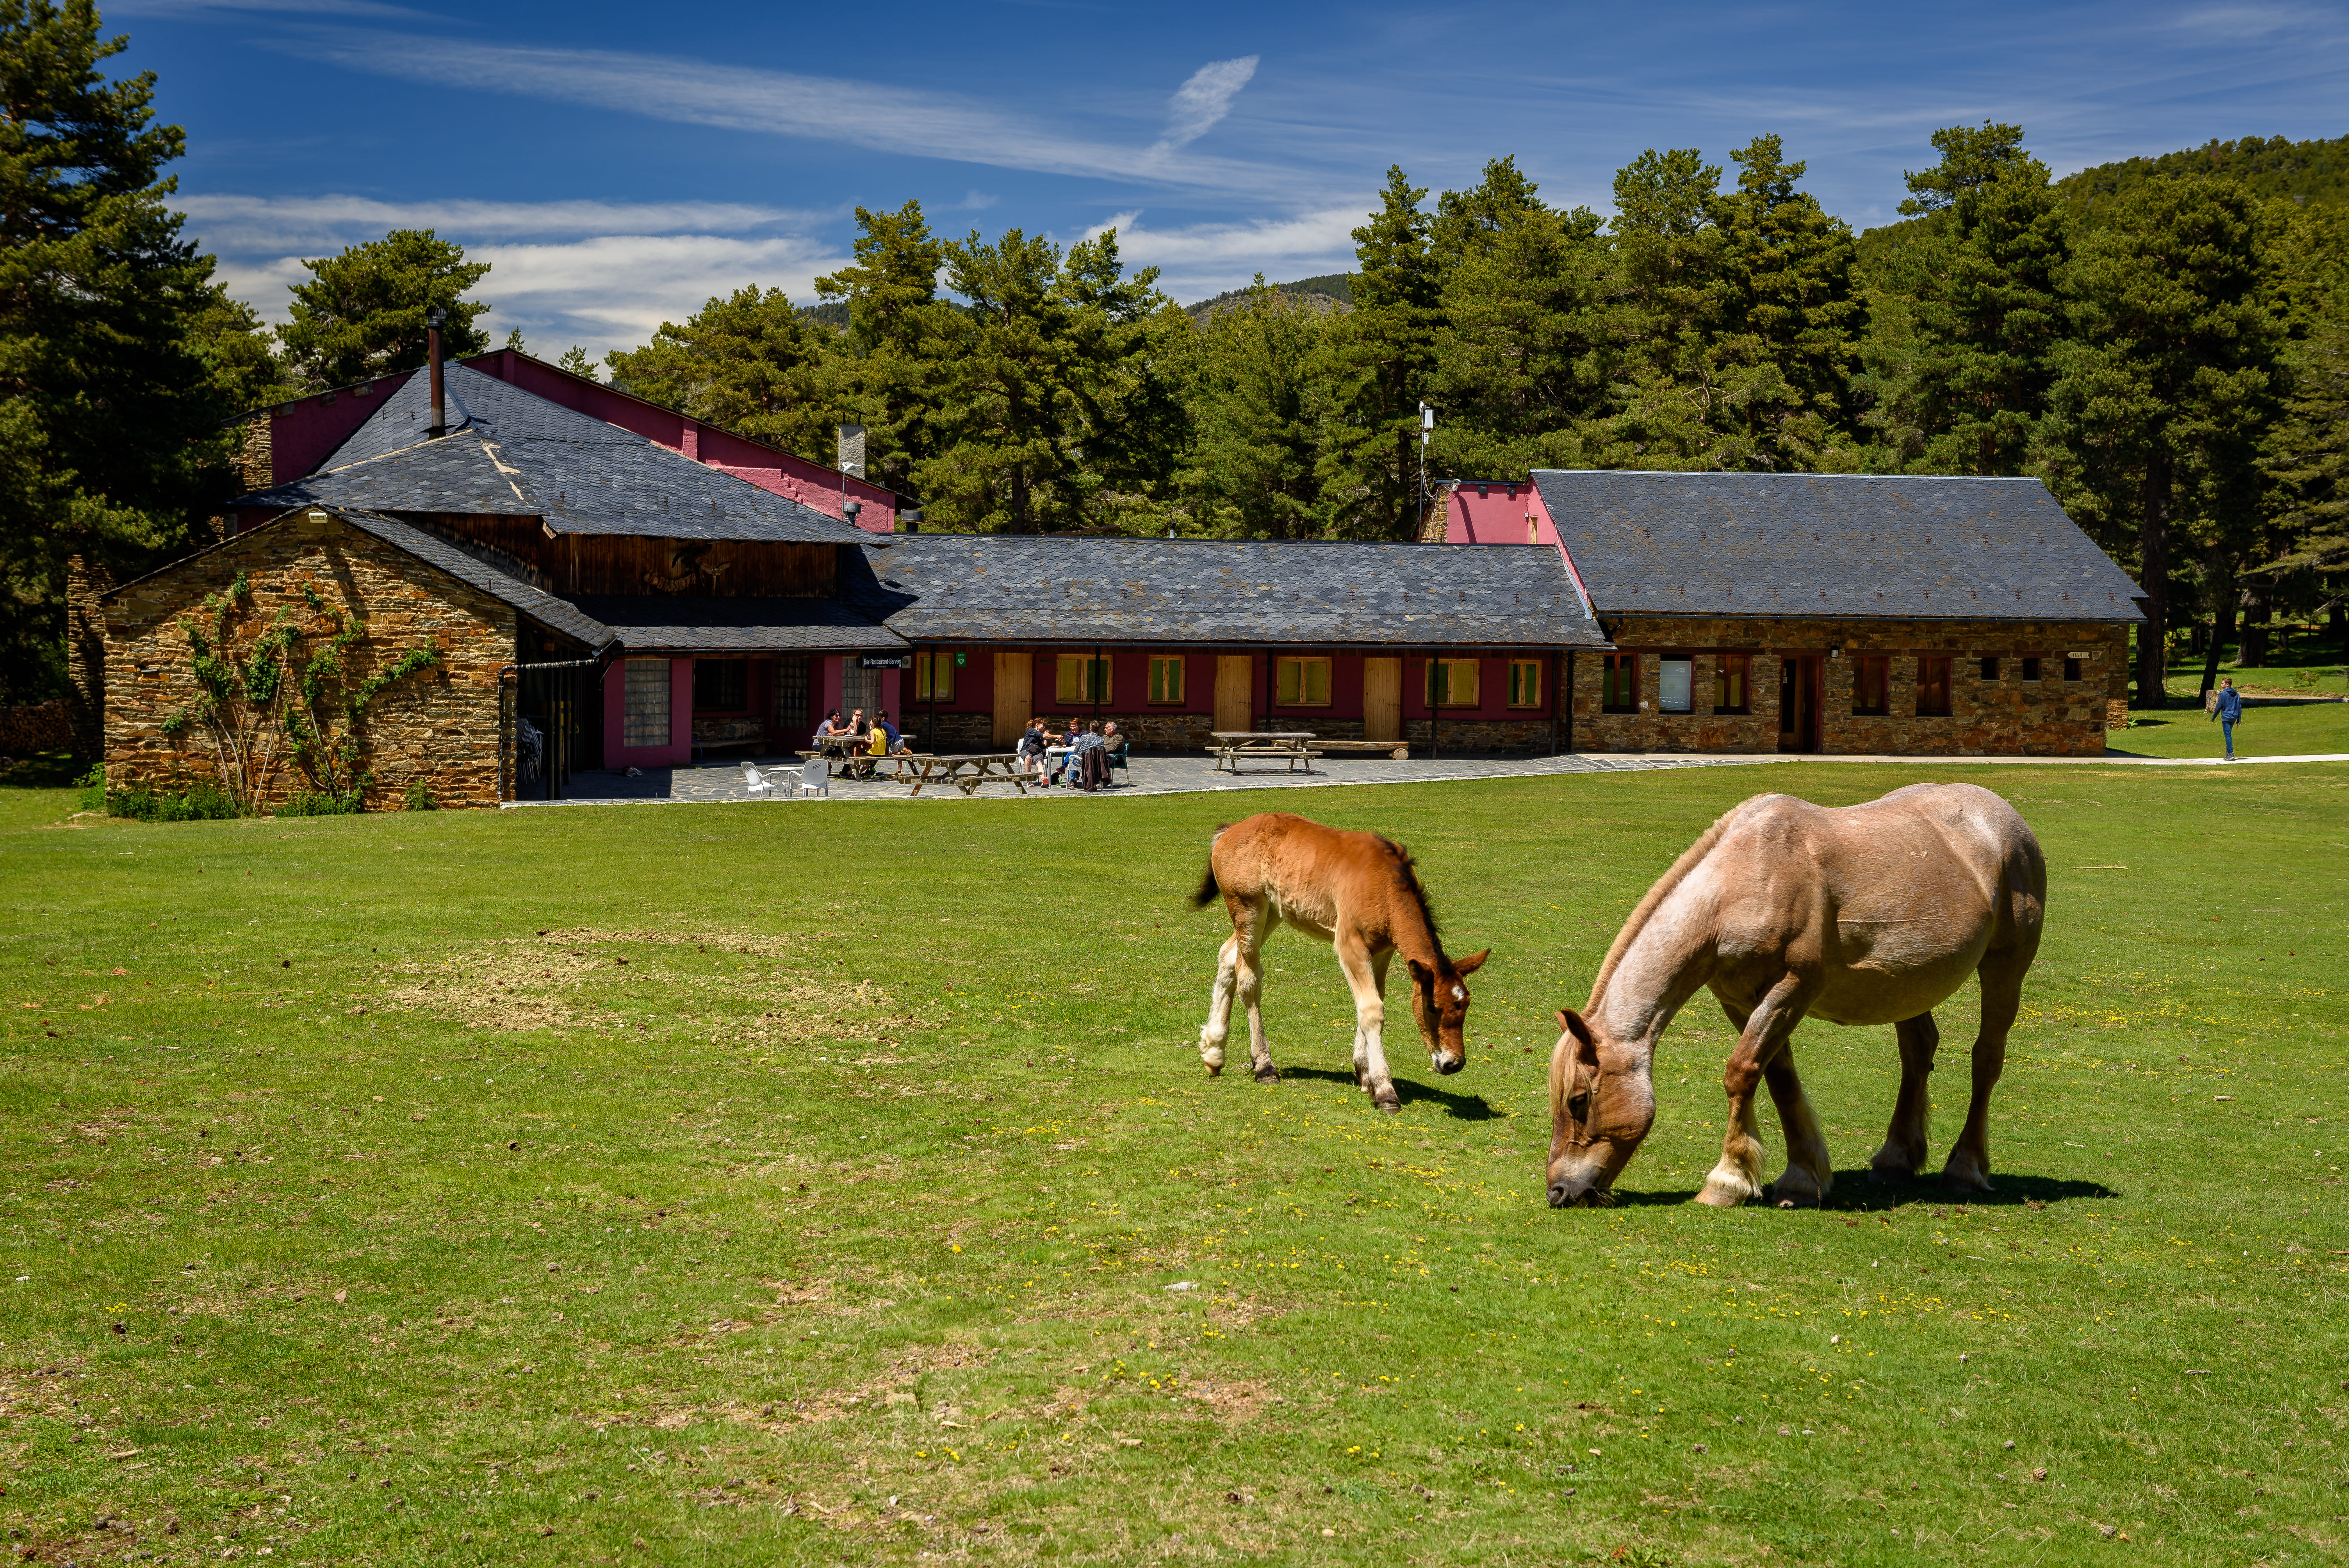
x=433 y=320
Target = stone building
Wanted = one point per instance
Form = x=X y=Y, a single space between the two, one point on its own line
x=1818 y=613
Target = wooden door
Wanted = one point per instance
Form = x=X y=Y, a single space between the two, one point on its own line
x=1799 y=704
x=1235 y=692
x=1015 y=697
x=1382 y=699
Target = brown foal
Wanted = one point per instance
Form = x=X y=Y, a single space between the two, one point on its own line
x=1357 y=892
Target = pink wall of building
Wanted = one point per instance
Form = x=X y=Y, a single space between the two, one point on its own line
x=1491 y=512
x=679 y=749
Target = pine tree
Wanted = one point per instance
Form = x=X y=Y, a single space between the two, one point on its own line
x=1002 y=461
x=2165 y=387
x=1385 y=357
x=748 y=362
x=1966 y=366
x=1123 y=384
x=886 y=370
x=1255 y=382
x=362 y=314
x=1524 y=354
x=108 y=414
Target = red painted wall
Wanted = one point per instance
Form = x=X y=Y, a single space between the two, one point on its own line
x=1485 y=512
x=303 y=434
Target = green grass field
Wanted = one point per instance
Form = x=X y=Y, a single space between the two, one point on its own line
x=839 y=1185
x=2300 y=730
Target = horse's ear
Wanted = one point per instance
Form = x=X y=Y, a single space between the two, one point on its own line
x=1420 y=972
x=1572 y=1021
x=1472 y=963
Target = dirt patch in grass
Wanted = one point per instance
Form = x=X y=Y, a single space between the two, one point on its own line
x=616 y=982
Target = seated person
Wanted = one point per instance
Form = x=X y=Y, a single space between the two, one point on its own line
x=1031 y=748
x=889 y=740
x=1114 y=743
x=1088 y=761
x=856 y=725
x=830 y=728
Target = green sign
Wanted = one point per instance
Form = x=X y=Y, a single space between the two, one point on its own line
x=959 y=659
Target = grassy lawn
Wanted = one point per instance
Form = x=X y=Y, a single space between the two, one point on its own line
x=2304 y=729
x=839 y=1185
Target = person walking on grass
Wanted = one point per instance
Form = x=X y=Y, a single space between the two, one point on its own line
x=2227 y=708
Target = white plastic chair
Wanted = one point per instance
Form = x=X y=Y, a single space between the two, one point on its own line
x=816 y=779
x=756 y=782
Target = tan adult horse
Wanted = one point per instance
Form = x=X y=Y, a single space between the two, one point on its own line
x=1857 y=914
x=1357 y=892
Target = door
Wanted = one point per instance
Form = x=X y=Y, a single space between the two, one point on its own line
x=1799 y=704
x=1235 y=692
x=1015 y=697
x=1382 y=699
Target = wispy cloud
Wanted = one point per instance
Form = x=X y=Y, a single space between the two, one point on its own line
x=363 y=10
x=272 y=223
x=1204 y=99
x=783 y=103
x=1201 y=259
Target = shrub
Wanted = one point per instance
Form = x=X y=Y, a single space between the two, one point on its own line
x=318 y=803
x=92 y=786
x=197 y=803
x=419 y=798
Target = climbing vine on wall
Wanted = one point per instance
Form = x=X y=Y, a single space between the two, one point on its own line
x=277 y=691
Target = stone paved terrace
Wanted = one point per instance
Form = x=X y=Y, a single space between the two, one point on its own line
x=722 y=780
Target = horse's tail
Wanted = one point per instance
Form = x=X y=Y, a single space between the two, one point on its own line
x=1209 y=889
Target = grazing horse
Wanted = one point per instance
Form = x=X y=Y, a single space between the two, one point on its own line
x=1357 y=892
x=1857 y=914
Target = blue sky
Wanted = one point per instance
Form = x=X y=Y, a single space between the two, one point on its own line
x=619 y=164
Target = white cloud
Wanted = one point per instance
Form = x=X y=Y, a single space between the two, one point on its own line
x=1203 y=259
x=1199 y=103
x=268 y=222
x=824 y=108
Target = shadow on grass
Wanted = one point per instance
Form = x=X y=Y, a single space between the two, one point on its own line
x=1857 y=1190
x=1465 y=1106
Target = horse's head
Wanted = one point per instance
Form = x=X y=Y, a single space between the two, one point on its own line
x=1439 y=1000
x=1601 y=1104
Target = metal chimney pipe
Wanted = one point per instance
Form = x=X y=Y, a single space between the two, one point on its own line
x=433 y=320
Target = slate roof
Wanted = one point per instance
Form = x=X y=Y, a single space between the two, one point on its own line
x=932 y=587
x=512 y=451
x=684 y=625
x=560 y=615
x=1851 y=546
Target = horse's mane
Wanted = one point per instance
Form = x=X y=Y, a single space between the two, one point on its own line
x=1407 y=874
x=1656 y=894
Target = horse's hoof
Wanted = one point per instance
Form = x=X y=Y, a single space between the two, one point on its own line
x=1719 y=1197
x=1267 y=1075
x=1391 y=1107
x=1215 y=1069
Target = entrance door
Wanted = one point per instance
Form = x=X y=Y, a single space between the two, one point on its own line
x=1382 y=699
x=1799 y=704
x=1015 y=697
x=1235 y=692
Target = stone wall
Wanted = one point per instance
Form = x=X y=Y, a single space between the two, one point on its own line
x=440 y=726
x=2009 y=716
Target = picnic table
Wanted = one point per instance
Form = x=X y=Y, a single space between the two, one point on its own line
x=1232 y=746
x=1398 y=749
x=850 y=750
x=967 y=772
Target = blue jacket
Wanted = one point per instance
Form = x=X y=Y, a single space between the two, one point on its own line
x=2231 y=704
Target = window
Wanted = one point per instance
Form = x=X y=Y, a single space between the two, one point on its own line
x=1731 y=674
x=1166 y=678
x=1302 y=683
x=1618 y=683
x=645 y=722
x=933 y=677
x=1525 y=683
x=2070 y=667
x=1080 y=680
x=1932 y=687
x=1871 y=684
x=1989 y=668
x=722 y=685
x=2030 y=669
x=1451 y=683
x=1675 y=684
x=791 y=694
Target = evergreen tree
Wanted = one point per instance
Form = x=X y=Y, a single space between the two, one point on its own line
x=1966 y=364
x=748 y=362
x=1123 y=383
x=1385 y=359
x=1001 y=462
x=108 y=412
x=1523 y=359
x=362 y=314
x=1470 y=222
x=2165 y=387
x=896 y=326
x=1256 y=380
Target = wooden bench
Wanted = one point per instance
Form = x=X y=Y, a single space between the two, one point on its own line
x=967 y=773
x=1232 y=746
x=1398 y=749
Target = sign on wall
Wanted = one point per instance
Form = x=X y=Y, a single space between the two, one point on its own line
x=885 y=662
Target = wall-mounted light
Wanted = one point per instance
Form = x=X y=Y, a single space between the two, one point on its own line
x=1835 y=650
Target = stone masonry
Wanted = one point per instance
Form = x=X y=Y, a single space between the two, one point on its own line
x=439 y=726
x=2009 y=716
